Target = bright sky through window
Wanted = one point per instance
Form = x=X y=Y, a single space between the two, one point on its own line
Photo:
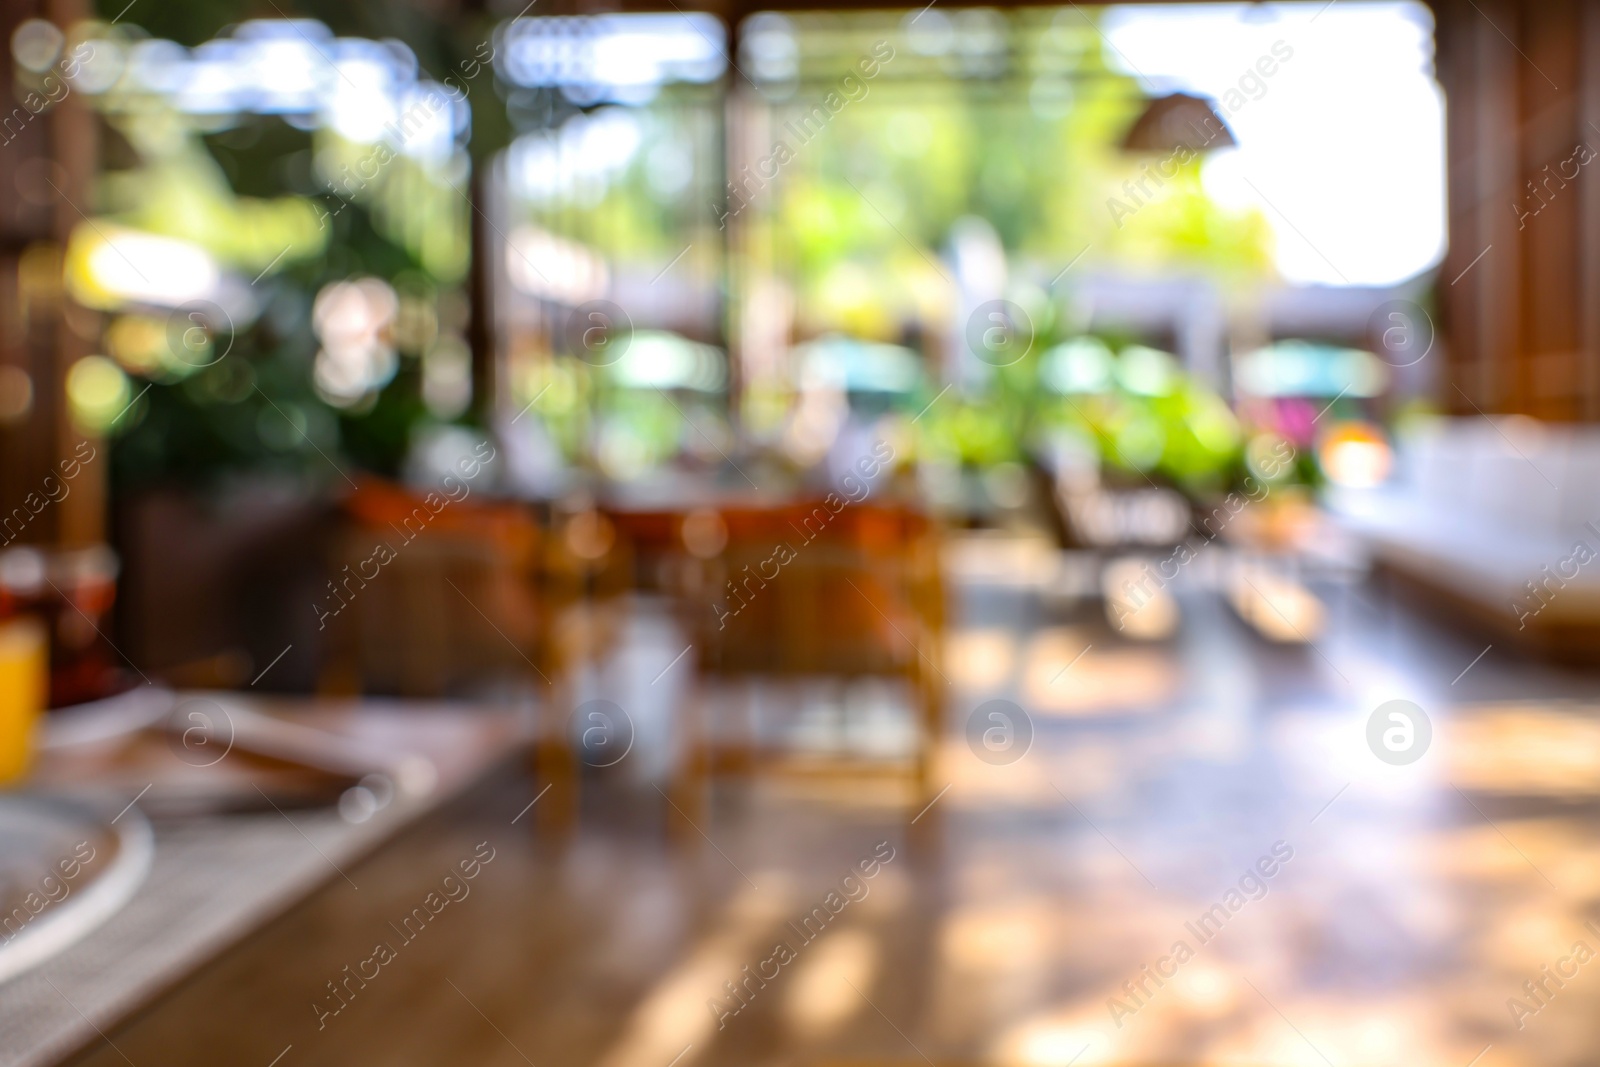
x=1342 y=146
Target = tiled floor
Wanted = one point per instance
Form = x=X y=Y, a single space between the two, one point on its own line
x=1014 y=921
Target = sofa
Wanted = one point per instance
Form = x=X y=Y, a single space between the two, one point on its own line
x=1498 y=517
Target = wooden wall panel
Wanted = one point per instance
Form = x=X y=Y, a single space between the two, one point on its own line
x=1522 y=85
x=40 y=333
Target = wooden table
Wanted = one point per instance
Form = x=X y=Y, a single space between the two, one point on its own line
x=217 y=878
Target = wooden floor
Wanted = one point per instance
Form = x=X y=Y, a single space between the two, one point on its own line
x=1032 y=914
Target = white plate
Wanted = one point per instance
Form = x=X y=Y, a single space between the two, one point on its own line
x=65 y=868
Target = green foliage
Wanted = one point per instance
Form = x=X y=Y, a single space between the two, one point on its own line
x=254 y=193
x=1180 y=432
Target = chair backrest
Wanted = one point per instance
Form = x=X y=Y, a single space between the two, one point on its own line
x=813 y=589
x=438 y=597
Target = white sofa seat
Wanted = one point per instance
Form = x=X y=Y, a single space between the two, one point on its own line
x=1481 y=509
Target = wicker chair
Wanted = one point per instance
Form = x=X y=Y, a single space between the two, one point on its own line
x=434 y=601
x=805 y=590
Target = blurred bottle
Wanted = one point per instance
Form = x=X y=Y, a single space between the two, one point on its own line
x=23 y=588
x=83 y=588
x=24 y=672
x=70 y=593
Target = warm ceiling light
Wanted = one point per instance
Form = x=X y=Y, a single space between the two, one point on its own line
x=1176 y=121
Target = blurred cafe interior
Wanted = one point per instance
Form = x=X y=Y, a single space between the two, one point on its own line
x=794 y=533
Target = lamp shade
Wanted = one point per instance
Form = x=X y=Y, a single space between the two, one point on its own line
x=1175 y=121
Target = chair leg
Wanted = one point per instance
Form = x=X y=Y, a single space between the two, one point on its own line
x=687 y=788
x=553 y=760
x=931 y=727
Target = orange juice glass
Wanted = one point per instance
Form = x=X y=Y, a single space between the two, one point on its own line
x=24 y=674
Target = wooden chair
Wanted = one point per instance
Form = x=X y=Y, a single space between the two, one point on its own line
x=804 y=590
x=428 y=601
x=588 y=567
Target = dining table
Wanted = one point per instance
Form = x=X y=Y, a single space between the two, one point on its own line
x=211 y=815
